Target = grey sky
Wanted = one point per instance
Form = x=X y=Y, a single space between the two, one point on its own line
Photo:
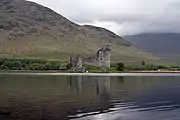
x=123 y=17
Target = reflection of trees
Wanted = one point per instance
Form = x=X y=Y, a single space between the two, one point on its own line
x=120 y=79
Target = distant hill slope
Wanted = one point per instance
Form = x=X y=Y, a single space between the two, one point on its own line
x=165 y=45
x=31 y=30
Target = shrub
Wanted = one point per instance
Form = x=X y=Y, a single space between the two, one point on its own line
x=143 y=63
x=34 y=66
x=7 y=65
x=93 y=69
x=120 y=66
x=2 y=60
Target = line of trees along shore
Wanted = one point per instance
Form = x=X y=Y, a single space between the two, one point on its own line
x=38 y=64
x=31 y=64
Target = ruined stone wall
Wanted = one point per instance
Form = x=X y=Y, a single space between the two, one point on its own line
x=76 y=62
x=100 y=59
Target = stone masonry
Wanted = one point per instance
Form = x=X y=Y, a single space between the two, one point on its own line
x=100 y=59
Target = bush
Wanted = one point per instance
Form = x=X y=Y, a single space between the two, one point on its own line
x=2 y=60
x=120 y=66
x=90 y=67
x=113 y=70
x=163 y=67
x=93 y=69
x=34 y=66
x=143 y=63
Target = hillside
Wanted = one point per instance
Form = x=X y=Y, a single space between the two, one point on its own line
x=31 y=30
x=164 y=45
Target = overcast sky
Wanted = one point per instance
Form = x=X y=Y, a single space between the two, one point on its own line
x=124 y=17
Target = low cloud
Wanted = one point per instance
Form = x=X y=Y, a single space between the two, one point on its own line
x=122 y=17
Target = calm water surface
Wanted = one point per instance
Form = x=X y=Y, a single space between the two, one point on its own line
x=27 y=97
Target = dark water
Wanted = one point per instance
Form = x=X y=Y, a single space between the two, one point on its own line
x=24 y=97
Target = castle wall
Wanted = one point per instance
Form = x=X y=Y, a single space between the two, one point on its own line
x=100 y=59
x=76 y=63
x=107 y=61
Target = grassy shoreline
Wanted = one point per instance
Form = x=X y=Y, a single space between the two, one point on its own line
x=39 y=65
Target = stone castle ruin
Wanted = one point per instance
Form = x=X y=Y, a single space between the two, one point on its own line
x=100 y=59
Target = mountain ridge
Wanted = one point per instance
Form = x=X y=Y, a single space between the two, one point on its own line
x=28 y=29
x=164 y=45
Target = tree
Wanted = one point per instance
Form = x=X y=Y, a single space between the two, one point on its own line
x=120 y=66
x=7 y=65
x=143 y=63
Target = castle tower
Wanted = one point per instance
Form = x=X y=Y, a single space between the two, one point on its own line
x=104 y=56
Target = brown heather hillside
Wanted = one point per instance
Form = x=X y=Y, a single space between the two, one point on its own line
x=31 y=30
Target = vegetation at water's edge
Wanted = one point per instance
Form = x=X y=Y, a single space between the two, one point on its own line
x=152 y=67
x=120 y=67
x=31 y=64
x=37 y=64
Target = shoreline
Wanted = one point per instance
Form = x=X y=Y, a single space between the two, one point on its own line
x=165 y=71
x=55 y=73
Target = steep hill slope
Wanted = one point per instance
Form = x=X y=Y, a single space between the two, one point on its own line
x=31 y=30
x=164 y=45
